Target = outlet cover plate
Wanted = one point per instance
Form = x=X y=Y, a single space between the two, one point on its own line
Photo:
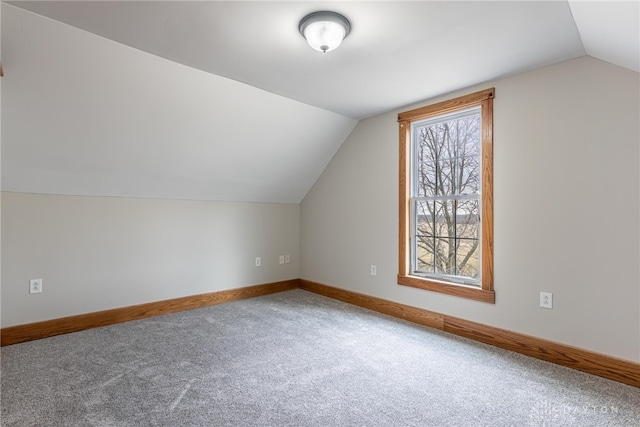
x=35 y=286
x=546 y=300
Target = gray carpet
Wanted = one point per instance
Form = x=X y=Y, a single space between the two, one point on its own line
x=294 y=359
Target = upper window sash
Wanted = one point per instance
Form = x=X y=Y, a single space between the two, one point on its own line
x=415 y=141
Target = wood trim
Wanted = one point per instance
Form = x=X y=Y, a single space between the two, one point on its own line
x=612 y=368
x=582 y=360
x=487 y=193
x=484 y=295
x=400 y=311
x=615 y=369
x=447 y=106
x=65 y=325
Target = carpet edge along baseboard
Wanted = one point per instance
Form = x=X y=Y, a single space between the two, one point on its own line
x=609 y=367
x=48 y=328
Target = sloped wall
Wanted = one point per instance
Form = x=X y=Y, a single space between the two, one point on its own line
x=566 y=210
x=84 y=115
x=202 y=174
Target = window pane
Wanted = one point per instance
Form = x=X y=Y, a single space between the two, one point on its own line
x=469 y=165
x=468 y=219
x=424 y=218
x=469 y=169
x=468 y=257
x=445 y=254
x=424 y=236
x=426 y=161
x=469 y=135
x=426 y=185
x=446 y=177
x=447 y=148
x=424 y=251
x=445 y=218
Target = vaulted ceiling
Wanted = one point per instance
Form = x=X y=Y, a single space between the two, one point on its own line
x=225 y=101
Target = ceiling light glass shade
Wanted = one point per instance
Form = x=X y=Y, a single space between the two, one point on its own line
x=324 y=31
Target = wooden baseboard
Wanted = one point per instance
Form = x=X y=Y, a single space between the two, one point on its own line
x=65 y=325
x=406 y=312
x=583 y=360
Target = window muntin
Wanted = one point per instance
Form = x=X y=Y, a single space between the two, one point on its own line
x=446 y=201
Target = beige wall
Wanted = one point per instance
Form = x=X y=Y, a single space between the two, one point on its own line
x=567 y=210
x=96 y=253
x=0 y=176
x=567 y=221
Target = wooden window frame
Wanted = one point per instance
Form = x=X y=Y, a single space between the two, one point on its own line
x=485 y=292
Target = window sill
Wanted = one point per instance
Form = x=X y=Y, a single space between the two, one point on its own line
x=449 y=289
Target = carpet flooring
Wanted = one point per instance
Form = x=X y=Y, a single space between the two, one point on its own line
x=293 y=359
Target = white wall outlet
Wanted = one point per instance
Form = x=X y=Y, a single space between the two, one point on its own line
x=258 y=261
x=546 y=300
x=281 y=259
x=287 y=259
x=374 y=270
x=35 y=286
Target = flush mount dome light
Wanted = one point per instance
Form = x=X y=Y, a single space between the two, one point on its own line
x=324 y=31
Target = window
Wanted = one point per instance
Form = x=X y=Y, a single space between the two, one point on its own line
x=446 y=197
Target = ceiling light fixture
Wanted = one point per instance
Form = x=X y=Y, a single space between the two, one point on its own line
x=324 y=31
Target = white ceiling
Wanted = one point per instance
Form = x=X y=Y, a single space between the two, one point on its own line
x=247 y=65
x=397 y=52
x=610 y=30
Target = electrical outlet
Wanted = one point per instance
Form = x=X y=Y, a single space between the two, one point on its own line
x=374 y=270
x=258 y=261
x=546 y=300
x=287 y=259
x=35 y=286
x=281 y=259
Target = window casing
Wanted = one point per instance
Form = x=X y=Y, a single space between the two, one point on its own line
x=446 y=195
